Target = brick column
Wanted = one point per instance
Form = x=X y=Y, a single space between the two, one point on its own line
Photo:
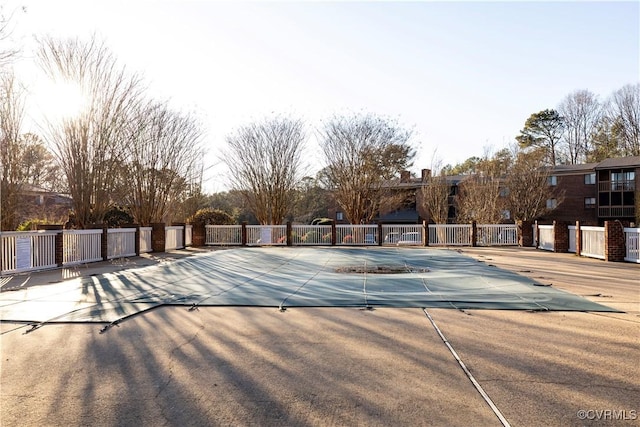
x=244 y=233
x=158 y=237
x=334 y=233
x=525 y=233
x=578 y=239
x=474 y=234
x=198 y=234
x=104 y=244
x=560 y=236
x=614 y=243
x=426 y=232
x=289 y=233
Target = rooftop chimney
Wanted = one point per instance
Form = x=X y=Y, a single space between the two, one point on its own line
x=426 y=174
x=404 y=176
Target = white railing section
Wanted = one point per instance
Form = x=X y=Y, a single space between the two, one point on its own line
x=403 y=235
x=27 y=250
x=592 y=242
x=632 y=242
x=174 y=237
x=546 y=238
x=356 y=234
x=310 y=235
x=145 y=240
x=572 y=239
x=188 y=235
x=81 y=246
x=496 y=234
x=266 y=235
x=450 y=234
x=121 y=242
x=223 y=235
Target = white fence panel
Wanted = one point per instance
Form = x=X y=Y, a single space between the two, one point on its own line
x=572 y=239
x=311 y=235
x=223 y=235
x=81 y=246
x=27 y=250
x=188 y=235
x=592 y=242
x=356 y=234
x=545 y=237
x=403 y=235
x=145 y=240
x=496 y=234
x=266 y=235
x=632 y=241
x=174 y=237
x=450 y=234
x=121 y=242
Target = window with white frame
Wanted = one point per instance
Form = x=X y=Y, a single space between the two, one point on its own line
x=589 y=202
x=590 y=178
x=339 y=216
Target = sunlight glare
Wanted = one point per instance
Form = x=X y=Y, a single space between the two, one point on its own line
x=61 y=100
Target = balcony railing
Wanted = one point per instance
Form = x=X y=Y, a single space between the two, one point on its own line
x=616 y=211
x=628 y=185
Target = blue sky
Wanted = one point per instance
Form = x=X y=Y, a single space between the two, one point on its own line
x=464 y=75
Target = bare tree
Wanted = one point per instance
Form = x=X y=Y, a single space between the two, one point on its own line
x=163 y=163
x=363 y=153
x=435 y=198
x=90 y=146
x=581 y=112
x=528 y=187
x=11 y=151
x=479 y=200
x=7 y=53
x=625 y=113
x=264 y=160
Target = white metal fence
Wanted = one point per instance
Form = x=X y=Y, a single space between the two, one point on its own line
x=188 y=235
x=592 y=242
x=546 y=239
x=27 y=250
x=80 y=246
x=450 y=234
x=410 y=235
x=223 y=235
x=121 y=242
x=632 y=242
x=310 y=235
x=356 y=234
x=269 y=235
x=496 y=235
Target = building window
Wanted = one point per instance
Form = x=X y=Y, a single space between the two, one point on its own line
x=339 y=216
x=552 y=203
x=552 y=180
x=589 y=202
x=590 y=178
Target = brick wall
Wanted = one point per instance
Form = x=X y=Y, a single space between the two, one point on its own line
x=614 y=249
x=572 y=191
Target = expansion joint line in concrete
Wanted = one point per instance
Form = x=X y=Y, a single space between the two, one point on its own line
x=475 y=383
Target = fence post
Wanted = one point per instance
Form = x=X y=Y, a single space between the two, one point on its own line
x=614 y=242
x=578 y=239
x=158 y=237
x=104 y=243
x=244 y=233
x=334 y=233
x=198 y=234
x=525 y=233
x=474 y=234
x=289 y=233
x=536 y=234
x=560 y=236
x=426 y=233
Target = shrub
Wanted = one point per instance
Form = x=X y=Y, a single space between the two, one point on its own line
x=208 y=216
x=117 y=217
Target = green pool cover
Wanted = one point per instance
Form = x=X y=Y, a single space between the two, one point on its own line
x=292 y=277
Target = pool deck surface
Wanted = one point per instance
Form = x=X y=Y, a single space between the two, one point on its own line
x=310 y=365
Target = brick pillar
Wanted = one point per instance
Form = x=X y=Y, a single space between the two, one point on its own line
x=560 y=236
x=198 y=234
x=334 y=233
x=158 y=237
x=59 y=240
x=614 y=243
x=244 y=234
x=426 y=233
x=525 y=233
x=289 y=233
x=474 y=234
x=578 y=239
x=104 y=244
